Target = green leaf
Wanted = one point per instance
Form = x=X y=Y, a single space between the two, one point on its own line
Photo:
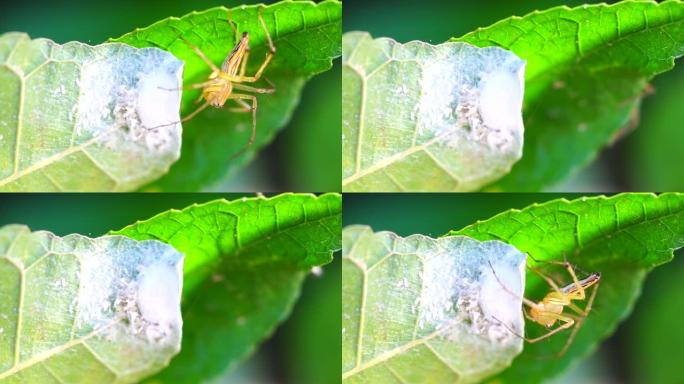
x=587 y=68
x=418 y=117
x=73 y=117
x=81 y=310
x=622 y=237
x=422 y=310
x=306 y=37
x=245 y=262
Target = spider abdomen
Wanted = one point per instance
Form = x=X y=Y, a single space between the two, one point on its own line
x=216 y=94
x=545 y=312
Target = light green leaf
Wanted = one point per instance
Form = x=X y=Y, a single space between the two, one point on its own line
x=423 y=310
x=306 y=36
x=76 y=118
x=622 y=237
x=245 y=262
x=587 y=71
x=81 y=310
x=418 y=117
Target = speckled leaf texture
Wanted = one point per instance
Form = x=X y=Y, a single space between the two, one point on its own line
x=75 y=117
x=422 y=117
x=587 y=71
x=245 y=261
x=307 y=37
x=424 y=310
x=70 y=308
x=623 y=237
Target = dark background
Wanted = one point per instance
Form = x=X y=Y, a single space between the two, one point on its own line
x=645 y=349
x=649 y=159
x=310 y=334
x=305 y=155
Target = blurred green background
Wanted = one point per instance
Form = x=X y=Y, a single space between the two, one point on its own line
x=310 y=334
x=304 y=157
x=649 y=159
x=646 y=348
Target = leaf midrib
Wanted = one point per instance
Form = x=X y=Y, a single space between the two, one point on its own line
x=362 y=317
x=54 y=351
x=19 y=366
x=386 y=162
x=60 y=155
x=57 y=157
x=398 y=350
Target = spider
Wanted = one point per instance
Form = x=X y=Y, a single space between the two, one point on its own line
x=218 y=89
x=551 y=308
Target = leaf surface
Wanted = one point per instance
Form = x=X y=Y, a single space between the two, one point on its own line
x=77 y=310
x=418 y=309
x=306 y=36
x=74 y=117
x=587 y=70
x=418 y=117
x=245 y=262
x=622 y=237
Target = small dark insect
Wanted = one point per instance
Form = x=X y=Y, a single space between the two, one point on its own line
x=220 y=86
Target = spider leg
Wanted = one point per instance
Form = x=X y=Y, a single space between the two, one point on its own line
x=244 y=106
x=508 y=328
x=243 y=64
x=577 y=309
x=580 y=290
x=197 y=100
x=580 y=322
x=269 y=55
x=191 y=86
x=525 y=301
x=544 y=261
x=528 y=316
x=539 y=273
x=247 y=88
x=195 y=112
x=253 y=107
x=257 y=75
x=268 y=35
x=548 y=279
x=186 y=118
x=201 y=54
x=233 y=26
x=567 y=323
x=581 y=294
